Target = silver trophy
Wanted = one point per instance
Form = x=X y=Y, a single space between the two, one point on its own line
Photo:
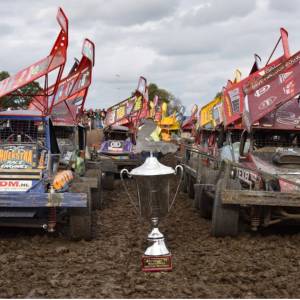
x=153 y=203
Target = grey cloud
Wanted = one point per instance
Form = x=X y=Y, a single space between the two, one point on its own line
x=6 y=29
x=285 y=6
x=216 y=11
x=120 y=12
x=188 y=50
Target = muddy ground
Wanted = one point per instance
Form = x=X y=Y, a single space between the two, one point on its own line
x=35 y=265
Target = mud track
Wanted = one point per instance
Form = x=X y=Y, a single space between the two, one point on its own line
x=36 y=265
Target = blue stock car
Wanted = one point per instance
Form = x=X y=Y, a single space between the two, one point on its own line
x=29 y=161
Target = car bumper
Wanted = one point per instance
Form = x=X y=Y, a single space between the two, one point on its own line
x=43 y=200
x=261 y=198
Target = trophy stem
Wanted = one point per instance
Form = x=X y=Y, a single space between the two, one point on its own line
x=154 y=222
x=157 y=257
x=157 y=239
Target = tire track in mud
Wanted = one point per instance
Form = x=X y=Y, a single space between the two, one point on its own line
x=263 y=264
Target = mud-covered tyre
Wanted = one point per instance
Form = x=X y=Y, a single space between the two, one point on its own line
x=225 y=218
x=108 y=180
x=184 y=183
x=97 y=200
x=80 y=218
x=202 y=202
x=211 y=176
x=190 y=186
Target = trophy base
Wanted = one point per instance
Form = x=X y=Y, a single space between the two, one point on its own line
x=153 y=263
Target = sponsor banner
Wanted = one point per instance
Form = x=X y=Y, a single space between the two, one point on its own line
x=133 y=107
x=281 y=88
x=130 y=109
x=207 y=113
x=71 y=90
x=17 y=157
x=63 y=114
x=56 y=59
x=121 y=112
x=286 y=116
x=72 y=85
x=25 y=76
x=233 y=106
x=234 y=93
x=268 y=72
x=15 y=185
x=129 y=106
x=138 y=104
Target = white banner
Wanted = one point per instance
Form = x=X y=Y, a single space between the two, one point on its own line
x=15 y=185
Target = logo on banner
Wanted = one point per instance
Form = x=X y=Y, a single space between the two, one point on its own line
x=283 y=77
x=262 y=90
x=287 y=118
x=289 y=88
x=15 y=185
x=115 y=144
x=235 y=100
x=267 y=102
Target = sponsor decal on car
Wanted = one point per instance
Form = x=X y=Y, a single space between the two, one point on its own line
x=267 y=102
x=289 y=88
x=284 y=76
x=15 y=185
x=115 y=146
x=262 y=90
x=18 y=156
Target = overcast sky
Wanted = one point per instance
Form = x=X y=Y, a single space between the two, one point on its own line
x=189 y=47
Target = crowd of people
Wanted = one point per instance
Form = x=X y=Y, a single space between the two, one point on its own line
x=94 y=118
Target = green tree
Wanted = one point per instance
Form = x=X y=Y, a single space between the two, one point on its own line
x=3 y=75
x=162 y=94
x=22 y=97
x=218 y=95
x=174 y=103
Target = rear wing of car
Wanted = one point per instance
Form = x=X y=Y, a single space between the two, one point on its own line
x=55 y=60
x=130 y=110
x=189 y=123
x=272 y=100
x=286 y=117
x=211 y=114
x=67 y=103
x=234 y=92
x=270 y=92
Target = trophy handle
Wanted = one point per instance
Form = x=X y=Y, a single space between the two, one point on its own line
x=180 y=180
x=126 y=188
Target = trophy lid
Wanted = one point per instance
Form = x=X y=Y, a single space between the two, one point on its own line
x=152 y=167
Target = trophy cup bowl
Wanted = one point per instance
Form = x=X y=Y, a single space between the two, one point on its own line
x=153 y=203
